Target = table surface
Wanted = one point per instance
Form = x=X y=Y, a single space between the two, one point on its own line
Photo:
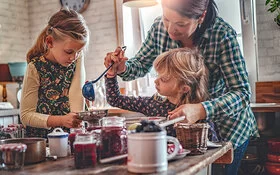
x=265 y=107
x=188 y=165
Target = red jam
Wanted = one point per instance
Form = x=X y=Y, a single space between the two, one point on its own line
x=85 y=155
x=113 y=141
x=72 y=136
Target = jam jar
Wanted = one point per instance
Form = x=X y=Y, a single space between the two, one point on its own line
x=113 y=137
x=72 y=135
x=85 y=150
x=12 y=156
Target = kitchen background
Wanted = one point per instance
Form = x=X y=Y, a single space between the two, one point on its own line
x=22 y=20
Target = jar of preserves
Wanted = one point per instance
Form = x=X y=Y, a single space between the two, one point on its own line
x=113 y=137
x=72 y=135
x=12 y=156
x=85 y=150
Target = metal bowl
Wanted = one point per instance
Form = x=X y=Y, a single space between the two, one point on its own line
x=36 y=148
x=92 y=116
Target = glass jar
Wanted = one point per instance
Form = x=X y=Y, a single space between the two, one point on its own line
x=20 y=130
x=10 y=132
x=85 y=150
x=113 y=137
x=12 y=156
x=72 y=135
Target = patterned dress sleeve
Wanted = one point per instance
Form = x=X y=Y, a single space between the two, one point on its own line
x=149 y=106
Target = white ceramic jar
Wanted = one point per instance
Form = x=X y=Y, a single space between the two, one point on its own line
x=58 y=143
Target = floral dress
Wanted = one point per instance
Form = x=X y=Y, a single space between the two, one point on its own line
x=53 y=92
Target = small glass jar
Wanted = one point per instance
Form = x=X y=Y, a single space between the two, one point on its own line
x=85 y=150
x=113 y=137
x=12 y=156
x=72 y=136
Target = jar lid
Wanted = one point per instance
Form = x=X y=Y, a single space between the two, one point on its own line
x=19 y=147
x=58 y=133
x=9 y=129
x=19 y=126
x=87 y=137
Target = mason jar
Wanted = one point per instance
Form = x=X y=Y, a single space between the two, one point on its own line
x=85 y=150
x=113 y=137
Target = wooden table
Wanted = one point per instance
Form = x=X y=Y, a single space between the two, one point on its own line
x=189 y=165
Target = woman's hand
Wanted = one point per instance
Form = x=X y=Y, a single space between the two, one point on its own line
x=192 y=112
x=71 y=120
x=119 y=61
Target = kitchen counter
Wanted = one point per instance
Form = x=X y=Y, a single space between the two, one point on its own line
x=188 y=165
x=265 y=107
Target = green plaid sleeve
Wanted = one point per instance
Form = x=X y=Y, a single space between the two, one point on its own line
x=142 y=63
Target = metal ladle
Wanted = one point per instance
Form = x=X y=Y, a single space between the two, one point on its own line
x=88 y=88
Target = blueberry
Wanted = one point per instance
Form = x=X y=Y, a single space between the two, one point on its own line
x=144 y=122
x=139 y=128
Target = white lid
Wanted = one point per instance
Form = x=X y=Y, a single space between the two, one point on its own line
x=58 y=133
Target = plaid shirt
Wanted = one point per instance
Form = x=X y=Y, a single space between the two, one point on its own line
x=229 y=87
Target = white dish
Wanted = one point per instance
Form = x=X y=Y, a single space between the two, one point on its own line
x=213 y=145
x=181 y=155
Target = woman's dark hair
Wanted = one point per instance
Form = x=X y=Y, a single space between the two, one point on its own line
x=194 y=9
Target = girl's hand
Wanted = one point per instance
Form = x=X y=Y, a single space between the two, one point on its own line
x=119 y=61
x=192 y=112
x=71 y=120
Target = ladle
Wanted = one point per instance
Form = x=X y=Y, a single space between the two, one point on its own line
x=88 y=88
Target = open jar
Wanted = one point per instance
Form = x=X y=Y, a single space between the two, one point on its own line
x=85 y=150
x=113 y=137
x=12 y=156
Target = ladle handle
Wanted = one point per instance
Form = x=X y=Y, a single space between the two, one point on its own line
x=170 y=122
x=94 y=81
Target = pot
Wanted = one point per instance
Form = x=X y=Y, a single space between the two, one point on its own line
x=36 y=148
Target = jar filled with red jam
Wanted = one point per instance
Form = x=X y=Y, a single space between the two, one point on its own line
x=72 y=135
x=85 y=150
x=96 y=131
x=113 y=137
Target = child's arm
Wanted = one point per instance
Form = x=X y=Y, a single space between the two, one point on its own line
x=114 y=98
x=29 y=99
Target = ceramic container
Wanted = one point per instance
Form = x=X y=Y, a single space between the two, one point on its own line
x=58 y=143
x=147 y=152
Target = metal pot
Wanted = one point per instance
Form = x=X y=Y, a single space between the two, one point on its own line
x=36 y=148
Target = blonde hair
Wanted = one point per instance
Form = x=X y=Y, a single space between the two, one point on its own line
x=64 y=23
x=187 y=66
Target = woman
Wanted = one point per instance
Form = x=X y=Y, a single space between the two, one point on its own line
x=192 y=23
